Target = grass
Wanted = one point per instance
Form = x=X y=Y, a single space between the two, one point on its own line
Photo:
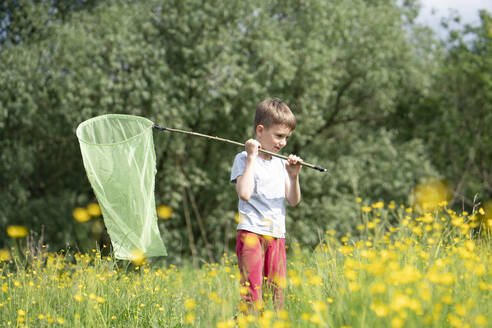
x=403 y=270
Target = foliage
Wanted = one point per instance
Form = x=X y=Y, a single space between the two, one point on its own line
x=454 y=115
x=429 y=270
x=343 y=66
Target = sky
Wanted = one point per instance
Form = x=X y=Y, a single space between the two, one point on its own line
x=467 y=9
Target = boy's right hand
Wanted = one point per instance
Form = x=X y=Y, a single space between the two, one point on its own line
x=252 y=147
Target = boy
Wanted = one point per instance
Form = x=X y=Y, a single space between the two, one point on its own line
x=263 y=184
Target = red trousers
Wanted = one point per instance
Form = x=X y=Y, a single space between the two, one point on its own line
x=261 y=258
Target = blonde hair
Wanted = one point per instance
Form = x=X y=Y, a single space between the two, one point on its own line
x=274 y=111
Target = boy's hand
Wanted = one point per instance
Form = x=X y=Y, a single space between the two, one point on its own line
x=252 y=147
x=293 y=165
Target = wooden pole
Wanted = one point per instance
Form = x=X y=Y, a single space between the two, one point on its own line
x=161 y=128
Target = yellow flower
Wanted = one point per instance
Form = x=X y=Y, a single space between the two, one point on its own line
x=447 y=278
x=295 y=281
x=316 y=280
x=138 y=257
x=78 y=297
x=164 y=212
x=345 y=250
x=81 y=214
x=377 y=288
x=430 y=195
x=319 y=306
x=397 y=322
x=454 y=320
x=381 y=309
x=283 y=314
x=447 y=299
x=378 y=205
x=481 y=320
x=305 y=316
x=15 y=231
x=4 y=255
x=100 y=300
x=353 y=286
x=226 y=324
x=350 y=274
x=460 y=309
x=366 y=208
x=93 y=209
x=21 y=312
x=190 y=304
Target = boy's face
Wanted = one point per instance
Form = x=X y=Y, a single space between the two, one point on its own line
x=273 y=138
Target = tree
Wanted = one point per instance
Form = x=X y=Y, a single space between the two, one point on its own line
x=454 y=116
x=205 y=66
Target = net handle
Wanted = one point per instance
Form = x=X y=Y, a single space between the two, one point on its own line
x=161 y=128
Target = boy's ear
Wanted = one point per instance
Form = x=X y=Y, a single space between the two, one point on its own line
x=259 y=129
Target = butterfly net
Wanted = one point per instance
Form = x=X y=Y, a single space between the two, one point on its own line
x=119 y=158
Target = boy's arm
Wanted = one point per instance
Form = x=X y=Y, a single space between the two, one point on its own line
x=246 y=182
x=292 y=187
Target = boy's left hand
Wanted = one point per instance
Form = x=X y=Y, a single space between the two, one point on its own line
x=293 y=165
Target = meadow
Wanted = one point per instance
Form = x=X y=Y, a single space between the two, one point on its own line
x=404 y=268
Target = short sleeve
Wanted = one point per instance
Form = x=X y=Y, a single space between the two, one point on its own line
x=238 y=166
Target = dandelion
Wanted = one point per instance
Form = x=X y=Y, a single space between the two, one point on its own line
x=397 y=322
x=316 y=319
x=319 y=306
x=295 y=281
x=447 y=299
x=345 y=250
x=164 y=212
x=283 y=314
x=350 y=274
x=366 y=209
x=81 y=214
x=353 y=286
x=381 y=309
x=377 y=288
x=226 y=324
x=138 y=257
x=190 y=304
x=93 y=209
x=481 y=320
x=16 y=231
x=316 y=280
x=4 y=255
x=454 y=320
x=460 y=309
x=430 y=195
x=378 y=205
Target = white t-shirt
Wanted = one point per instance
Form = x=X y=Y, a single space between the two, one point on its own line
x=264 y=213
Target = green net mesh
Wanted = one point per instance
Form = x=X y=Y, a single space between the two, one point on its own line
x=119 y=158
